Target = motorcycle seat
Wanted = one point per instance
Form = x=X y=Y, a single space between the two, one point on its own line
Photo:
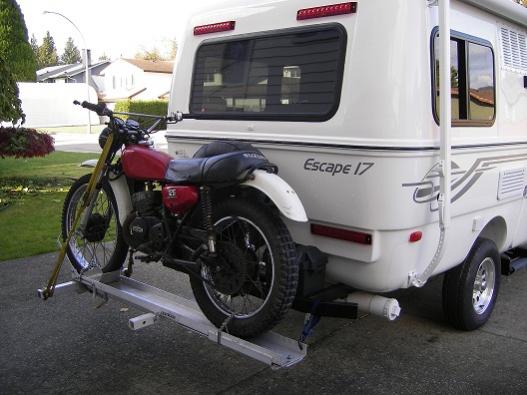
x=231 y=167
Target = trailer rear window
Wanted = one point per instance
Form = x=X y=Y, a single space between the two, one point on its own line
x=294 y=75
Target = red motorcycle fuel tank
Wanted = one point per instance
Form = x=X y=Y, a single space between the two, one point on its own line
x=179 y=198
x=143 y=163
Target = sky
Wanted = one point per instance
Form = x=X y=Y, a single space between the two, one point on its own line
x=113 y=27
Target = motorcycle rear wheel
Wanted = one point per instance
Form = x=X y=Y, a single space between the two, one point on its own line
x=254 y=280
x=102 y=245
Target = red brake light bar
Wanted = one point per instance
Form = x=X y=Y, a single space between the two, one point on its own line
x=327 y=10
x=341 y=234
x=214 y=28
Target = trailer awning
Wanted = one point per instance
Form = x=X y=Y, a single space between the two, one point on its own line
x=507 y=9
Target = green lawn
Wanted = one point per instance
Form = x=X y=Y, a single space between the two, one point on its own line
x=31 y=195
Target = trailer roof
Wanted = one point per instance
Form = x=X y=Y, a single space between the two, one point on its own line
x=507 y=9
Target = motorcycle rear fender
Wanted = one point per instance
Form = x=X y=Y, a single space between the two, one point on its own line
x=281 y=194
x=120 y=191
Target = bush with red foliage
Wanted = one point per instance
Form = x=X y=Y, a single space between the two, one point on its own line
x=24 y=142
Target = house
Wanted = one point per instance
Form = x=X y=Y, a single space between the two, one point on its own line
x=74 y=73
x=136 y=79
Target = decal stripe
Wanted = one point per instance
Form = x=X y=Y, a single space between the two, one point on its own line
x=344 y=146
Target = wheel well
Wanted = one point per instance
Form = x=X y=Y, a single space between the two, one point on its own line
x=495 y=230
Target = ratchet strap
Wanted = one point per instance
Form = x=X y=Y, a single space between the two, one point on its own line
x=89 y=195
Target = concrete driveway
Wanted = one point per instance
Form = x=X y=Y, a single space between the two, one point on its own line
x=65 y=345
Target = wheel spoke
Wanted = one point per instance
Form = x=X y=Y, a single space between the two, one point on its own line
x=102 y=227
x=249 y=245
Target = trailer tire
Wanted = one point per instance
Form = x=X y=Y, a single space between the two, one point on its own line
x=471 y=288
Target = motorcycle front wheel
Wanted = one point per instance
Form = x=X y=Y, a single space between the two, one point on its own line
x=251 y=283
x=101 y=245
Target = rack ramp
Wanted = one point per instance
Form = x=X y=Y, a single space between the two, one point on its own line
x=270 y=348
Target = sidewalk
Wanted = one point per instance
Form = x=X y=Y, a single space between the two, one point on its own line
x=65 y=345
x=81 y=142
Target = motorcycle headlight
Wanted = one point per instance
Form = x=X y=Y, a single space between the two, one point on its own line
x=104 y=136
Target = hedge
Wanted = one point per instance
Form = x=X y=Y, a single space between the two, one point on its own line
x=150 y=107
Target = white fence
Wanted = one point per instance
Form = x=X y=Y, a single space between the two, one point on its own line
x=51 y=105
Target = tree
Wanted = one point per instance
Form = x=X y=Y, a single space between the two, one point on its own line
x=172 y=49
x=149 y=54
x=17 y=141
x=103 y=57
x=168 y=51
x=10 y=105
x=47 y=52
x=71 y=53
x=14 y=45
x=34 y=45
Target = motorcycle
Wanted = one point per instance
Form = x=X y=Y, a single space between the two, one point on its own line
x=215 y=217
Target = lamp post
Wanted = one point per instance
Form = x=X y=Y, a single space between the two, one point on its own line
x=86 y=70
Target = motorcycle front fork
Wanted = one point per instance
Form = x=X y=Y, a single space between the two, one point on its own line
x=206 y=208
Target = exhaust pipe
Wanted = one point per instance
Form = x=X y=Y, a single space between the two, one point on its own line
x=377 y=305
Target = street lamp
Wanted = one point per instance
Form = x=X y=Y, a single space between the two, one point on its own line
x=87 y=70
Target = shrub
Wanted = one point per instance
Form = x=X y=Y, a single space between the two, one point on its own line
x=149 y=107
x=24 y=143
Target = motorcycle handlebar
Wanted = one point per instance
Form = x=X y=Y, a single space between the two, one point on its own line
x=100 y=109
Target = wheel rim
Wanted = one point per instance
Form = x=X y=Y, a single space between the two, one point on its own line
x=92 y=254
x=484 y=284
x=259 y=275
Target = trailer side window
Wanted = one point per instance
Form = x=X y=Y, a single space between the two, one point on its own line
x=295 y=76
x=472 y=82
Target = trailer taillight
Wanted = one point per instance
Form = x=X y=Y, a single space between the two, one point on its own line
x=341 y=234
x=327 y=10
x=415 y=236
x=214 y=28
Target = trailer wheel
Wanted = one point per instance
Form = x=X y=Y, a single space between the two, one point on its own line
x=471 y=288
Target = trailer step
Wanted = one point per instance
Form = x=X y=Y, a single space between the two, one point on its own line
x=510 y=265
x=270 y=348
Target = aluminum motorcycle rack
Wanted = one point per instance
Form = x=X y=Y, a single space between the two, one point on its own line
x=271 y=348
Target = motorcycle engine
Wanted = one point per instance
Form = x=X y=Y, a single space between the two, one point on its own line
x=143 y=230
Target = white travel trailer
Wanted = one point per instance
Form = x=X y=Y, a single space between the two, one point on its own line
x=345 y=99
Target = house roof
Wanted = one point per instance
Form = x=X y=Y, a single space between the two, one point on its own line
x=64 y=71
x=484 y=96
x=128 y=96
x=52 y=69
x=159 y=66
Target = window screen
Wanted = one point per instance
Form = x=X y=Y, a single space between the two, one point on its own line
x=294 y=75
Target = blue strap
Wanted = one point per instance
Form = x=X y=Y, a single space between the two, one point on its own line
x=311 y=323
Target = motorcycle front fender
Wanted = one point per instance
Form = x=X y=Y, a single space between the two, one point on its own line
x=122 y=197
x=120 y=191
x=281 y=194
x=90 y=163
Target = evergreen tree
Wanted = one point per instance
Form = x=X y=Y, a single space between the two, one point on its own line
x=71 y=53
x=34 y=45
x=14 y=45
x=10 y=105
x=47 y=52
